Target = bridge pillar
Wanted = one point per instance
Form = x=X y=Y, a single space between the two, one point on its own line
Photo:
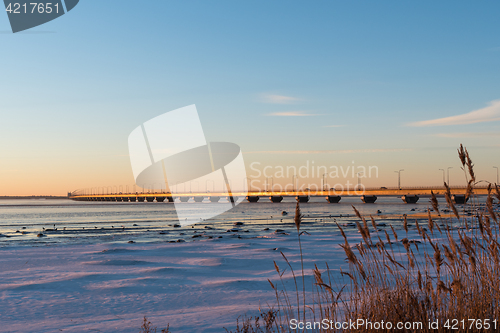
x=369 y=198
x=167 y=198
x=276 y=198
x=410 y=199
x=333 y=198
x=141 y=199
x=459 y=199
x=302 y=198
x=252 y=198
x=214 y=199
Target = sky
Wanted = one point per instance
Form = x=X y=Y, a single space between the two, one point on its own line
x=391 y=84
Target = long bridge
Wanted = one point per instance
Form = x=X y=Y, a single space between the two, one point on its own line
x=367 y=195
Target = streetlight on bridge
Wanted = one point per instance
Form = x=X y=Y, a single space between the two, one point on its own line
x=267 y=184
x=497 y=175
x=399 y=177
x=357 y=186
x=323 y=178
x=444 y=180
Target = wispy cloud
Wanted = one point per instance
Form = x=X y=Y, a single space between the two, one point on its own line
x=468 y=135
x=489 y=113
x=278 y=99
x=348 y=151
x=292 y=114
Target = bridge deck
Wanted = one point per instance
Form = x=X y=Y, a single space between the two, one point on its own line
x=394 y=192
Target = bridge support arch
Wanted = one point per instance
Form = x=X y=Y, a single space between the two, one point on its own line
x=302 y=198
x=369 y=198
x=167 y=198
x=253 y=198
x=410 y=199
x=276 y=198
x=333 y=198
x=459 y=199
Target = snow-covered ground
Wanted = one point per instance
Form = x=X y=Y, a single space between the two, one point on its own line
x=199 y=286
x=86 y=277
x=202 y=285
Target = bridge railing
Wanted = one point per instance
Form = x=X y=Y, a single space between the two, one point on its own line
x=117 y=190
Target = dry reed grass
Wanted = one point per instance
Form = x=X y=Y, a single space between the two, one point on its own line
x=147 y=327
x=450 y=271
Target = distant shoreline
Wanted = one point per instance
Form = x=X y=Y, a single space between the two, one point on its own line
x=33 y=197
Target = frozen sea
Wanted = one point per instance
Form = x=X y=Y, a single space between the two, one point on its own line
x=21 y=221
x=102 y=267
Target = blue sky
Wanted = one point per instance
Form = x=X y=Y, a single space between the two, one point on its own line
x=289 y=81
